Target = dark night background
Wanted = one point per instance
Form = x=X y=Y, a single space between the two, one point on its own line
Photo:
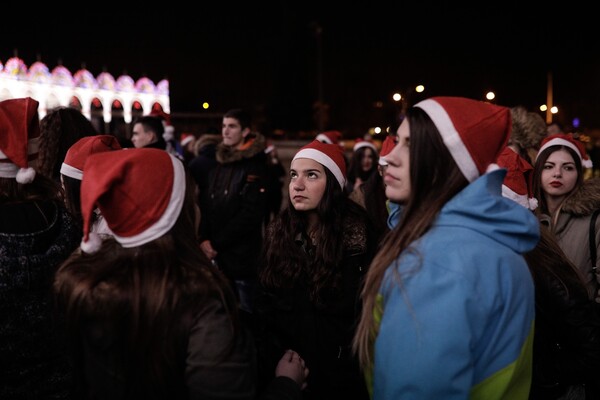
x=266 y=57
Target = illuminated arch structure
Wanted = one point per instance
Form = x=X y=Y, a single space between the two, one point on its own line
x=100 y=99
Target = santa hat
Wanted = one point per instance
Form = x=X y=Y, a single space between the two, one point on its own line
x=186 y=138
x=567 y=140
x=19 y=138
x=330 y=137
x=360 y=143
x=139 y=193
x=82 y=149
x=331 y=156
x=386 y=147
x=517 y=182
x=474 y=132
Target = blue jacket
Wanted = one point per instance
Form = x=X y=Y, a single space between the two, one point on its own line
x=461 y=326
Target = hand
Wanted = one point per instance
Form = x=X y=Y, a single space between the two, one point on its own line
x=292 y=366
x=208 y=250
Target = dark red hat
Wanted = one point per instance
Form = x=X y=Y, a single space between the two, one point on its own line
x=567 y=139
x=517 y=185
x=475 y=132
x=331 y=156
x=82 y=149
x=139 y=192
x=19 y=138
x=330 y=137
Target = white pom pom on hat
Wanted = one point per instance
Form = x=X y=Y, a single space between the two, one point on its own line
x=19 y=133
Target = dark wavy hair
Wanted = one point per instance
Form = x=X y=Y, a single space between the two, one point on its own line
x=42 y=188
x=284 y=262
x=147 y=298
x=434 y=179
x=59 y=130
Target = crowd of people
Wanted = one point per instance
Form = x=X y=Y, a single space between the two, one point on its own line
x=457 y=259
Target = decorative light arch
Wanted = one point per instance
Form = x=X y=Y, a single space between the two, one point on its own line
x=59 y=86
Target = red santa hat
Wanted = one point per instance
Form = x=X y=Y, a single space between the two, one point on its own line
x=331 y=156
x=19 y=138
x=388 y=144
x=567 y=140
x=330 y=137
x=475 y=132
x=139 y=192
x=361 y=143
x=82 y=149
x=186 y=138
x=517 y=182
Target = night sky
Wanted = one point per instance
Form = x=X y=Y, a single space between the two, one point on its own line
x=268 y=58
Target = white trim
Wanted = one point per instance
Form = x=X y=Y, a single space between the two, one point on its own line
x=362 y=144
x=521 y=199
x=323 y=138
x=451 y=138
x=324 y=159
x=563 y=142
x=71 y=172
x=8 y=170
x=169 y=217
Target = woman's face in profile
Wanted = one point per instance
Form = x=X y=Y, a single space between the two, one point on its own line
x=397 y=173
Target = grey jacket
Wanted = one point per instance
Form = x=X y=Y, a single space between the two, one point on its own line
x=572 y=231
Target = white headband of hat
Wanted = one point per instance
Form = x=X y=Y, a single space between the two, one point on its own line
x=324 y=159
x=566 y=143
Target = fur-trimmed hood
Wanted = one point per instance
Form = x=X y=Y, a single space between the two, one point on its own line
x=585 y=199
x=208 y=139
x=255 y=144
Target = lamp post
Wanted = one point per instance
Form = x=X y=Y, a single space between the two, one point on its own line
x=320 y=104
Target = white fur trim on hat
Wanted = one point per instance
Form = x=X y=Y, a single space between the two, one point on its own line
x=562 y=142
x=530 y=203
x=324 y=159
x=169 y=217
x=92 y=245
x=11 y=170
x=451 y=138
x=364 y=143
x=322 y=138
x=71 y=172
x=187 y=140
x=382 y=161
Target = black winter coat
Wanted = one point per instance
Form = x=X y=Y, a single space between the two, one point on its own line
x=35 y=238
x=233 y=207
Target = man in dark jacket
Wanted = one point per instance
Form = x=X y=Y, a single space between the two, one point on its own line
x=233 y=204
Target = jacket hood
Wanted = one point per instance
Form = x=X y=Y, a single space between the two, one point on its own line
x=255 y=144
x=585 y=199
x=481 y=207
x=205 y=140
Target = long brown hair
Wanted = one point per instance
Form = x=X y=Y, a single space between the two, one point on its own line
x=147 y=299
x=284 y=263
x=435 y=179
